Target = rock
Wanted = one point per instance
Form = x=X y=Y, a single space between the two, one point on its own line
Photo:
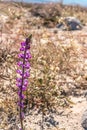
x=51 y=121
x=84 y=120
x=69 y=23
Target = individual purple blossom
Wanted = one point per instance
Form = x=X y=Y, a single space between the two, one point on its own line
x=25 y=82
x=23 y=44
x=22 y=48
x=27 y=65
x=18 y=84
x=24 y=88
x=20 y=55
x=23 y=72
x=26 y=74
x=18 y=79
x=20 y=63
x=19 y=72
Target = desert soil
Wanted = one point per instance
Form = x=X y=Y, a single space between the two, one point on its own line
x=14 y=27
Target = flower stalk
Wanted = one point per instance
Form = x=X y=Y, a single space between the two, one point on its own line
x=23 y=71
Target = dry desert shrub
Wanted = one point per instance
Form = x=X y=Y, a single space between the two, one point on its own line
x=50 y=66
x=52 y=78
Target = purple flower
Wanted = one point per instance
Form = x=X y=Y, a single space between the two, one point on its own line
x=20 y=55
x=20 y=63
x=23 y=71
x=18 y=84
x=18 y=79
x=23 y=44
x=24 y=88
x=21 y=104
x=19 y=72
x=26 y=74
x=22 y=48
x=28 y=55
x=27 y=65
x=25 y=82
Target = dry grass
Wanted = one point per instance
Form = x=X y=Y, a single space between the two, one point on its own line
x=56 y=66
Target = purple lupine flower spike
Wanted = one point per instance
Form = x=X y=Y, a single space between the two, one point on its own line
x=23 y=71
